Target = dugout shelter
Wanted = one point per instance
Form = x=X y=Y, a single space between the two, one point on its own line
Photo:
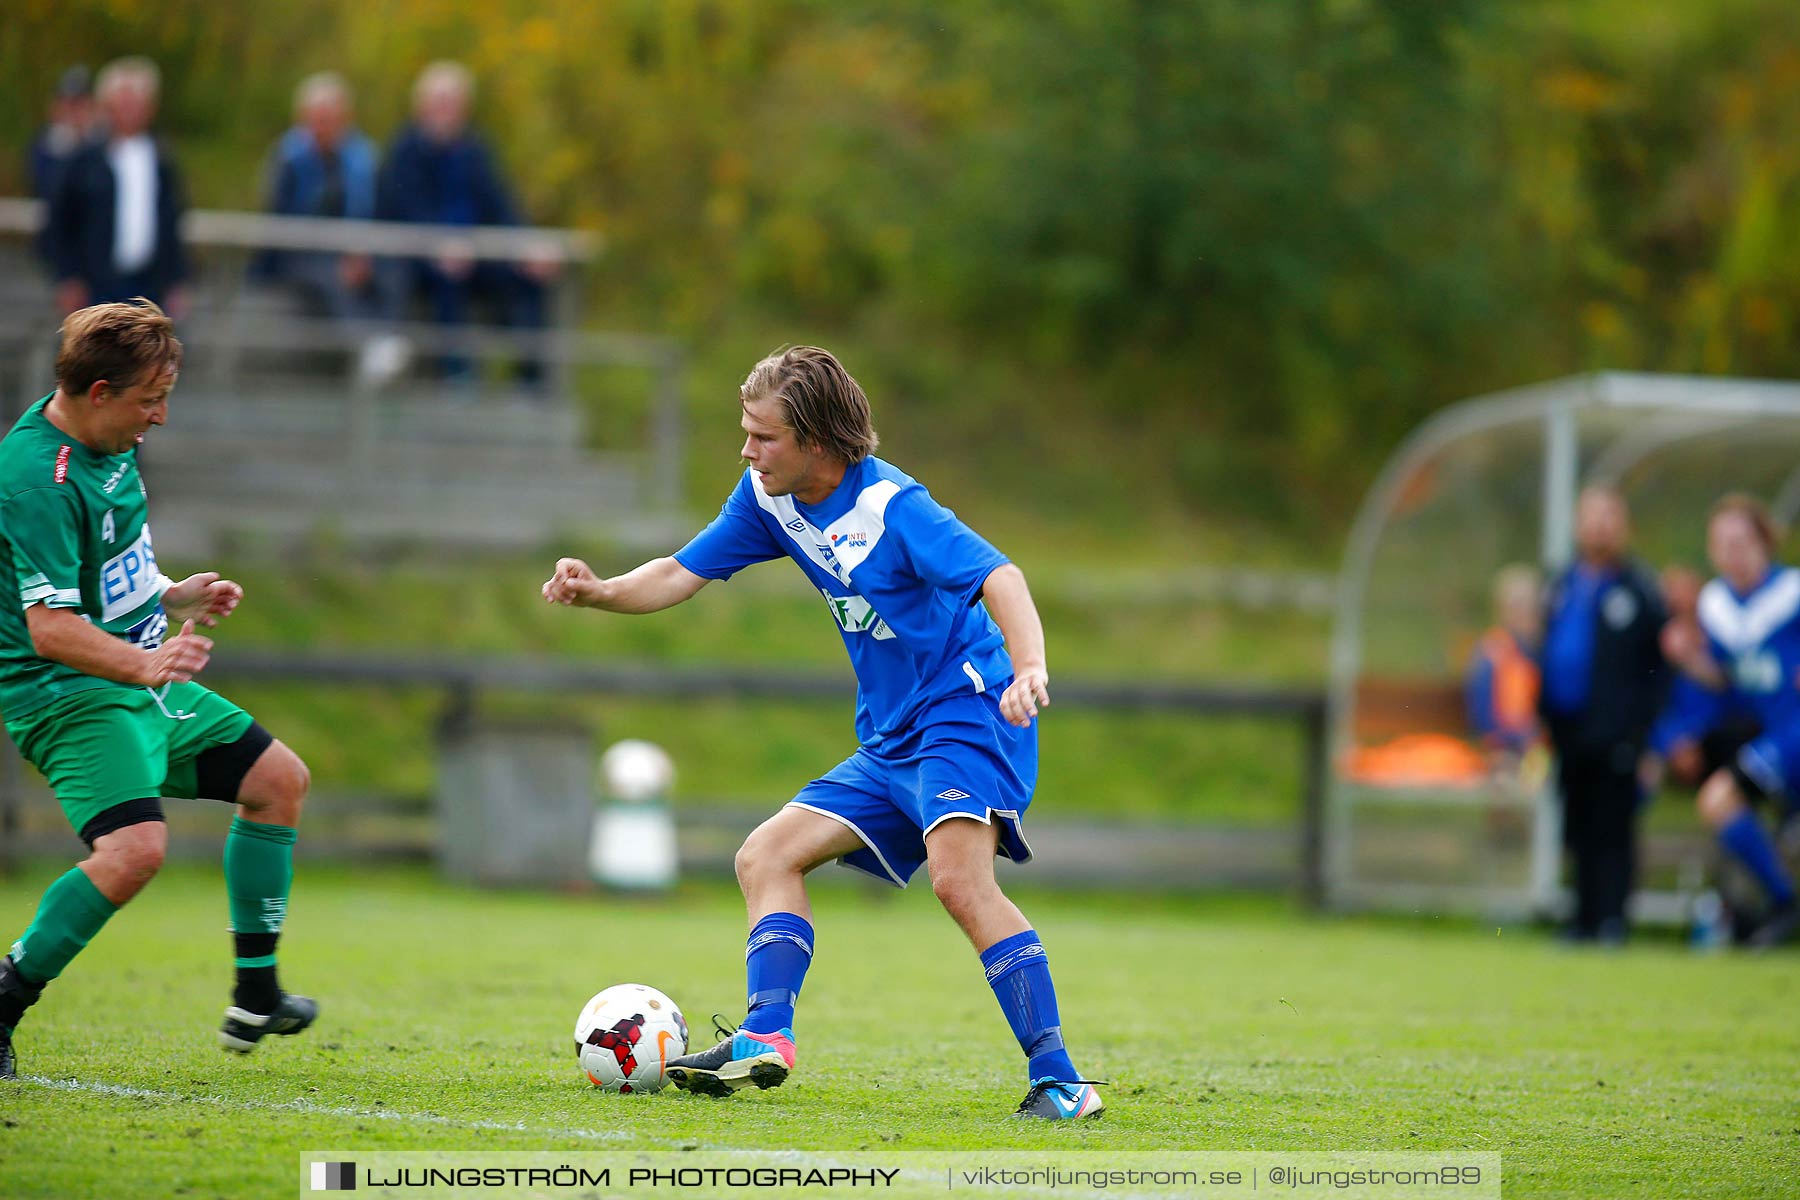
x=1414 y=818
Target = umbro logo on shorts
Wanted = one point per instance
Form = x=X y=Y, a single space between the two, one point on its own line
x=953 y=794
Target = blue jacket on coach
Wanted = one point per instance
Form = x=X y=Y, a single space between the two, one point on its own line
x=1623 y=681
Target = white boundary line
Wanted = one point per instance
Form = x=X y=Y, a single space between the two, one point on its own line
x=308 y=1108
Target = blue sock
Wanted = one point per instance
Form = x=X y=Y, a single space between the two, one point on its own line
x=1020 y=976
x=779 y=951
x=1745 y=837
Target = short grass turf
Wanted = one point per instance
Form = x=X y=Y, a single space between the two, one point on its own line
x=1224 y=1024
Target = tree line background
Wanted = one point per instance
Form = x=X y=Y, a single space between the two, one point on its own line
x=1226 y=251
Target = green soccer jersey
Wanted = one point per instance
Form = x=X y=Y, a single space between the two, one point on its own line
x=73 y=534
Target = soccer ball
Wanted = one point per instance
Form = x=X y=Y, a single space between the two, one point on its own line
x=625 y=1037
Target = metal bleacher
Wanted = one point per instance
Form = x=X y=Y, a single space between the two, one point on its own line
x=276 y=438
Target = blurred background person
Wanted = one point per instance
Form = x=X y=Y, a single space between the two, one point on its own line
x=438 y=171
x=1748 y=650
x=1604 y=682
x=323 y=166
x=112 y=231
x=70 y=123
x=1501 y=686
x=1701 y=729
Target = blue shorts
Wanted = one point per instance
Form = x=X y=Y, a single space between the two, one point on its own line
x=961 y=759
x=1769 y=765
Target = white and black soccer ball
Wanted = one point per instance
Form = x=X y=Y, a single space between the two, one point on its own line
x=625 y=1037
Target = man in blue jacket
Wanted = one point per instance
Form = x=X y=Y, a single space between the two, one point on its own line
x=324 y=167
x=439 y=172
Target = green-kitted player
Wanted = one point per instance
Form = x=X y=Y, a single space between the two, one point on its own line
x=100 y=702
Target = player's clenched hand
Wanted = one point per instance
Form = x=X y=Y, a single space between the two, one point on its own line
x=179 y=659
x=573 y=582
x=203 y=598
x=1029 y=691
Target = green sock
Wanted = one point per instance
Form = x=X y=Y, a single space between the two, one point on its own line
x=259 y=869
x=70 y=914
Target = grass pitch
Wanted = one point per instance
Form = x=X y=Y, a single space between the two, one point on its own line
x=1224 y=1024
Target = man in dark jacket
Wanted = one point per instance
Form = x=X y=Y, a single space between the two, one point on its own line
x=71 y=120
x=439 y=172
x=1604 y=682
x=113 y=227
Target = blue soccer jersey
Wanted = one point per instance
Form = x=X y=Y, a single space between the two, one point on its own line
x=900 y=574
x=1756 y=640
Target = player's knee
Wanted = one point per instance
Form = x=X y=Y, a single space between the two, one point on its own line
x=766 y=854
x=961 y=889
x=744 y=862
x=130 y=857
x=1719 y=799
x=757 y=859
x=276 y=786
x=299 y=781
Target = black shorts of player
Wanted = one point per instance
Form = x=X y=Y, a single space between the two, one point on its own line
x=1753 y=792
x=218 y=774
x=1719 y=748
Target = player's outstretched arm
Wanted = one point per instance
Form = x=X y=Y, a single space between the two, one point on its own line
x=1009 y=600
x=658 y=584
x=59 y=634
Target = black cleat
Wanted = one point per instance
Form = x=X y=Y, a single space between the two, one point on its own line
x=741 y=1060
x=17 y=994
x=1061 y=1100
x=243 y=1029
x=1781 y=927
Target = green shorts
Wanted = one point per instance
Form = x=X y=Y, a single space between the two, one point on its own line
x=110 y=746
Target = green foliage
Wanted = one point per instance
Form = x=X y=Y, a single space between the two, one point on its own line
x=1127 y=232
x=1224 y=1025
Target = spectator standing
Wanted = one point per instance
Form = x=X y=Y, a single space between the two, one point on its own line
x=113 y=227
x=68 y=129
x=440 y=172
x=1604 y=682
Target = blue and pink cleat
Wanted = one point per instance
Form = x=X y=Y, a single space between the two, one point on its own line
x=741 y=1060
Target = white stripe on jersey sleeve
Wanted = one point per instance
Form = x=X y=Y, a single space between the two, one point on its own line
x=39 y=590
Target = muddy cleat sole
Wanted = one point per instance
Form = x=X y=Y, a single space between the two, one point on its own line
x=742 y=1060
x=1061 y=1100
x=243 y=1029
